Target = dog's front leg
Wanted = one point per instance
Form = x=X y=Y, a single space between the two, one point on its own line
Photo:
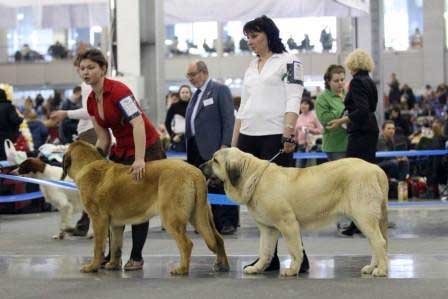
x=290 y=230
x=100 y=226
x=268 y=241
x=116 y=243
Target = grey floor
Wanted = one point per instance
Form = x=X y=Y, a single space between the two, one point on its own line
x=32 y=265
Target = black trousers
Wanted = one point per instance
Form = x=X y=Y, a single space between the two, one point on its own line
x=265 y=147
x=223 y=215
x=362 y=146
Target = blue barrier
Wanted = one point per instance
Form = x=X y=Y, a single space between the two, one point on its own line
x=321 y=155
x=20 y=197
x=221 y=199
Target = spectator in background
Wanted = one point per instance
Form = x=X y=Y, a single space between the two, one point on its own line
x=397 y=167
x=394 y=90
x=175 y=119
x=243 y=45
x=416 y=39
x=57 y=51
x=360 y=104
x=68 y=127
x=171 y=98
x=306 y=126
x=407 y=97
x=330 y=106
x=39 y=108
x=228 y=45
x=402 y=125
x=10 y=120
x=435 y=169
x=39 y=131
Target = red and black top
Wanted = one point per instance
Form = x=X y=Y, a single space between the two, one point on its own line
x=120 y=107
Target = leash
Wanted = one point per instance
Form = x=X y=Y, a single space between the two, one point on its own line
x=276 y=155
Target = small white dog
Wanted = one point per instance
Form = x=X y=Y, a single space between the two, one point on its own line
x=66 y=201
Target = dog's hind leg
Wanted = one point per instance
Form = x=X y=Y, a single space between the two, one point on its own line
x=177 y=228
x=116 y=244
x=100 y=225
x=268 y=241
x=370 y=227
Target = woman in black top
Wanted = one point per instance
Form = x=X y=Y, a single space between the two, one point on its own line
x=175 y=119
x=10 y=121
x=360 y=105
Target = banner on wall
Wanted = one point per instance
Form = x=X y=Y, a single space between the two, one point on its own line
x=363 y=5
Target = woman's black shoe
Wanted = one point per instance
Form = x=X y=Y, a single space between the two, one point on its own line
x=275 y=264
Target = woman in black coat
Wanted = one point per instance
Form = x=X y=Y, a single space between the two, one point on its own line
x=9 y=122
x=359 y=116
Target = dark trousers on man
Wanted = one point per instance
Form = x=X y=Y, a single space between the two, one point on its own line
x=224 y=216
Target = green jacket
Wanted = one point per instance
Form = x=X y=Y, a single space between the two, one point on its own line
x=330 y=106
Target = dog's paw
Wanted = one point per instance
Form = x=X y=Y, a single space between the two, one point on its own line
x=60 y=236
x=113 y=266
x=368 y=269
x=89 y=268
x=251 y=270
x=179 y=271
x=219 y=267
x=288 y=272
x=377 y=272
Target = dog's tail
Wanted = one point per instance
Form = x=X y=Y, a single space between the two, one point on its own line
x=384 y=185
x=204 y=224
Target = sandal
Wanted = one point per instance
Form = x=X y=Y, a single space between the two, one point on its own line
x=133 y=265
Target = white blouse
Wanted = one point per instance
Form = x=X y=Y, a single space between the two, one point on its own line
x=269 y=94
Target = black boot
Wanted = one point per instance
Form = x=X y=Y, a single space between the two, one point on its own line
x=275 y=263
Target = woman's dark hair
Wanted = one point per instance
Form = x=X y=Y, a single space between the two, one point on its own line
x=266 y=25
x=309 y=102
x=184 y=86
x=95 y=55
x=332 y=69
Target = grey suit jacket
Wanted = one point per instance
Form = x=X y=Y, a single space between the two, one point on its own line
x=214 y=121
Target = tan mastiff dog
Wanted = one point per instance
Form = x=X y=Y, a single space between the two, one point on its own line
x=172 y=189
x=285 y=200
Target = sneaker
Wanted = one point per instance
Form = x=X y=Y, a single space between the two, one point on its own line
x=133 y=265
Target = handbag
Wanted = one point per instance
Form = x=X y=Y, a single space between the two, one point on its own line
x=13 y=156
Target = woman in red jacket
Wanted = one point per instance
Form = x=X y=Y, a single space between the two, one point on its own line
x=112 y=105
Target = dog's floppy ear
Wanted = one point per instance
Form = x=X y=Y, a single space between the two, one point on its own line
x=233 y=173
x=66 y=163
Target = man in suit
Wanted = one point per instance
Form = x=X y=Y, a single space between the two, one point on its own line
x=209 y=127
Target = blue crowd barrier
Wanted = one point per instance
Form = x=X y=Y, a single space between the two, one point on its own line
x=218 y=199
x=20 y=197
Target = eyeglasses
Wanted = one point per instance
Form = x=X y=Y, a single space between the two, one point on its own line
x=192 y=74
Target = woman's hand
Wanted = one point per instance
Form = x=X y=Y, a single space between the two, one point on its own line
x=138 y=169
x=177 y=137
x=333 y=124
